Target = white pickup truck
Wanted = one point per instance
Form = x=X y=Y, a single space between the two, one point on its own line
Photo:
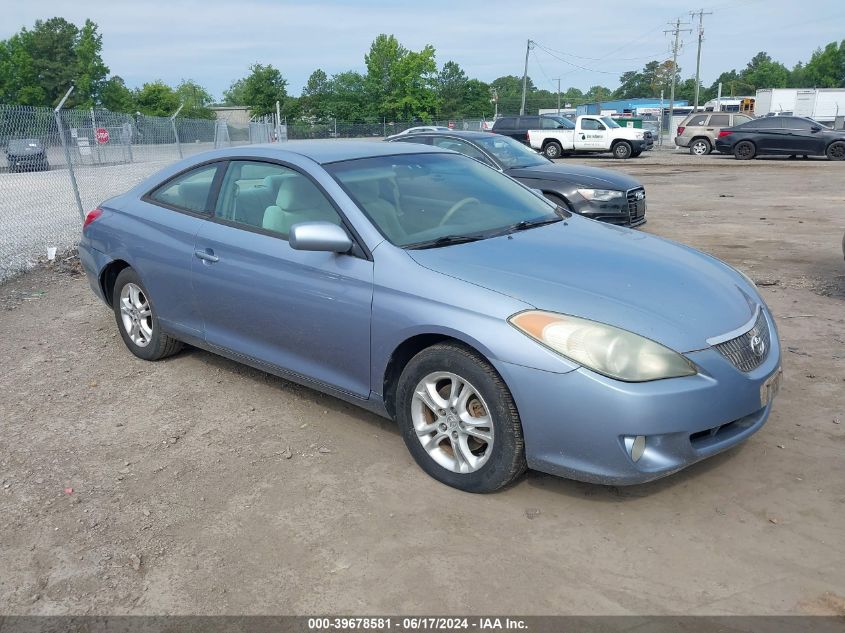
x=591 y=134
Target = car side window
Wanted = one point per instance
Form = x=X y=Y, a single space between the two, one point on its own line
x=460 y=146
x=189 y=191
x=271 y=197
x=791 y=123
x=720 y=120
x=698 y=120
x=739 y=119
x=591 y=124
x=507 y=122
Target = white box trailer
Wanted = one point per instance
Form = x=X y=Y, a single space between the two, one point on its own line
x=821 y=104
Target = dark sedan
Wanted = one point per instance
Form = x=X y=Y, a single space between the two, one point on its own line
x=600 y=194
x=782 y=135
x=26 y=155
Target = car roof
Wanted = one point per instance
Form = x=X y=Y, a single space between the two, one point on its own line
x=332 y=151
x=470 y=134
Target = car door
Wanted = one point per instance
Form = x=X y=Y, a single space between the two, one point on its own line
x=592 y=134
x=771 y=137
x=304 y=312
x=163 y=229
x=800 y=138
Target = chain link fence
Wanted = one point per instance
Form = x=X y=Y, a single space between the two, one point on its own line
x=55 y=166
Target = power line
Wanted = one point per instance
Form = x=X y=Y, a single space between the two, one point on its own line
x=592 y=70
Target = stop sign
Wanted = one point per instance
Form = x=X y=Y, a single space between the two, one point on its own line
x=102 y=135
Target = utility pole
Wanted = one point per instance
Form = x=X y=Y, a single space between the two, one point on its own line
x=525 y=78
x=701 y=13
x=558 y=96
x=676 y=30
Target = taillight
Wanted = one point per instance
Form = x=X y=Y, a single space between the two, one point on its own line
x=724 y=133
x=93 y=215
x=681 y=129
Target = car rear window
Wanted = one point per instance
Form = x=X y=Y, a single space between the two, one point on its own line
x=189 y=191
x=698 y=119
x=22 y=145
x=720 y=120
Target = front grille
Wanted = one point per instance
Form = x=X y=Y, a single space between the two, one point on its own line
x=636 y=208
x=747 y=351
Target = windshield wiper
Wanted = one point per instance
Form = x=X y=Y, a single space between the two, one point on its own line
x=526 y=224
x=446 y=240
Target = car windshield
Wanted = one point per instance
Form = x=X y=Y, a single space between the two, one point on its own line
x=511 y=153
x=20 y=145
x=430 y=199
x=609 y=122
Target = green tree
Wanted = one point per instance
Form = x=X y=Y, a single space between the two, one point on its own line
x=156 y=98
x=347 y=100
x=400 y=83
x=91 y=72
x=476 y=100
x=115 y=96
x=18 y=73
x=234 y=95
x=52 y=46
x=314 y=101
x=261 y=89
x=381 y=61
x=763 y=72
x=826 y=68
x=451 y=87
x=195 y=100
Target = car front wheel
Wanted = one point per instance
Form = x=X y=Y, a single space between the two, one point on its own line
x=137 y=321
x=459 y=420
x=836 y=150
x=622 y=150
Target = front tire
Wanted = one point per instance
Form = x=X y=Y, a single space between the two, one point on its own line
x=459 y=420
x=552 y=150
x=835 y=151
x=744 y=150
x=137 y=321
x=700 y=147
x=622 y=150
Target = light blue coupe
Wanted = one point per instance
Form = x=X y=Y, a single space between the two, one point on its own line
x=499 y=331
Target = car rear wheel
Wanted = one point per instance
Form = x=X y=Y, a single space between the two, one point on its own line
x=744 y=150
x=136 y=319
x=700 y=147
x=836 y=150
x=552 y=150
x=459 y=420
x=622 y=150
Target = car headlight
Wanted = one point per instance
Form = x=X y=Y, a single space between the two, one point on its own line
x=601 y=195
x=605 y=349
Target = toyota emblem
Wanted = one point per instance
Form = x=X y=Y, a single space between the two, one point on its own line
x=758 y=346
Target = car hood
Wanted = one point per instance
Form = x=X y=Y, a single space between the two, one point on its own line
x=592 y=177
x=664 y=291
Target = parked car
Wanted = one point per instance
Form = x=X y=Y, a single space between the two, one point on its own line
x=517 y=126
x=26 y=154
x=782 y=135
x=499 y=331
x=421 y=128
x=590 y=135
x=699 y=130
x=600 y=194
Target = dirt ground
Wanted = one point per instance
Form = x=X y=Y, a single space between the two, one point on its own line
x=196 y=485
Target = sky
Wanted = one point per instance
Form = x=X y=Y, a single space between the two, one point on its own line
x=214 y=42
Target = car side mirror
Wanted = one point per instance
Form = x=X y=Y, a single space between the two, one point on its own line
x=319 y=236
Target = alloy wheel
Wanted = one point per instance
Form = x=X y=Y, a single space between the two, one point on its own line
x=699 y=148
x=452 y=422
x=136 y=314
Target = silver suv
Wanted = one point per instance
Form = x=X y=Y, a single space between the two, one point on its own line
x=700 y=130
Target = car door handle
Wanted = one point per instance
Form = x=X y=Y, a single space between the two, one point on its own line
x=207 y=256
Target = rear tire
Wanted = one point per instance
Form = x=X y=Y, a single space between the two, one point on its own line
x=552 y=150
x=700 y=147
x=137 y=321
x=744 y=150
x=836 y=150
x=622 y=150
x=467 y=434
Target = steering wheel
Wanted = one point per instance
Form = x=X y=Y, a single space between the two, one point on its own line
x=460 y=204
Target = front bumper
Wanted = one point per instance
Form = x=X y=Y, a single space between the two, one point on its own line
x=625 y=211
x=580 y=425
